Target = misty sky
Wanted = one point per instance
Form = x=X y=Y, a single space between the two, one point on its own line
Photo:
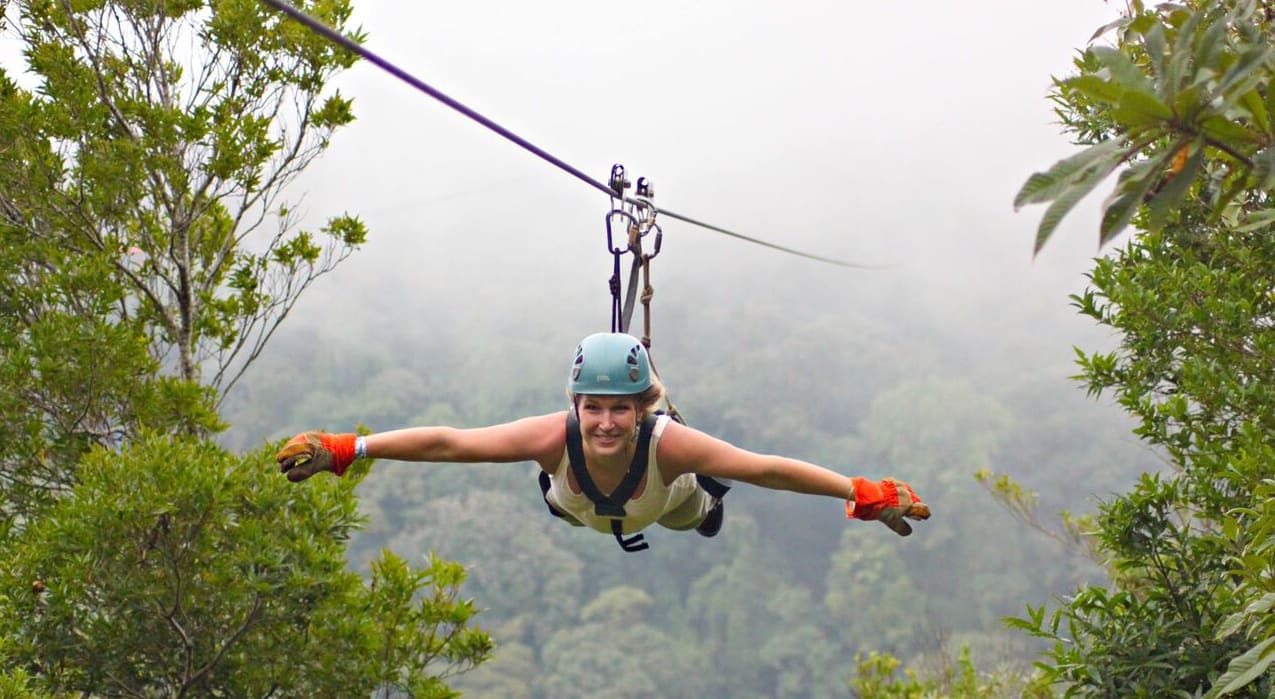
x=886 y=133
x=883 y=133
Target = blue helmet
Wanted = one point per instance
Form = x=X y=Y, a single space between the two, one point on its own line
x=610 y=364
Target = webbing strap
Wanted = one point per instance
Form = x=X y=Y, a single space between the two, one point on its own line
x=611 y=505
x=712 y=486
x=622 y=312
x=631 y=293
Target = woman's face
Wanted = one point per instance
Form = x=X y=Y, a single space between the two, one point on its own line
x=607 y=423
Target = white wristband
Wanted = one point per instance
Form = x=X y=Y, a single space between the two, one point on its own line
x=360 y=447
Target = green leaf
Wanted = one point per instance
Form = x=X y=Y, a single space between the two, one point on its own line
x=1270 y=101
x=1141 y=109
x=1263 y=174
x=1067 y=201
x=1231 y=624
x=1261 y=605
x=1227 y=131
x=1095 y=88
x=1045 y=186
x=1123 y=71
x=1182 y=52
x=1258 y=220
x=1207 y=48
x=1245 y=668
x=1157 y=49
x=1108 y=27
x=1129 y=193
x=1233 y=184
x=1171 y=194
x=1252 y=101
x=1249 y=62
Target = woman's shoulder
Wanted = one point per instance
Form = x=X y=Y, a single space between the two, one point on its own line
x=548 y=432
x=684 y=449
x=678 y=446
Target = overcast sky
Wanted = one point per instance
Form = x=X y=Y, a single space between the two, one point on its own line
x=885 y=133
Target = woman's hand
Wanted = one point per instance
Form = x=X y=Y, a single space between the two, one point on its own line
x=888 y=501
x=311 y=452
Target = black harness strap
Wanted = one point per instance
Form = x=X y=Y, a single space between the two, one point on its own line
x=712 y=486
x=611 y=505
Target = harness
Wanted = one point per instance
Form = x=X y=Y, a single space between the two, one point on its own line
x=612 y=505
x=637 y=216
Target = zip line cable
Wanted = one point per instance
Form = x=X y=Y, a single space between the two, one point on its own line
x=350 y=45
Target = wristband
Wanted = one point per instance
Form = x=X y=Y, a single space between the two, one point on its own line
x=360 y=447
x=868 y=498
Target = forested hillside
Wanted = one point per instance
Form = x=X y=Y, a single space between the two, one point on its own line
x=781 y=603
x=1093 y=428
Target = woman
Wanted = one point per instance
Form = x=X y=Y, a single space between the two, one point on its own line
x=612 y=462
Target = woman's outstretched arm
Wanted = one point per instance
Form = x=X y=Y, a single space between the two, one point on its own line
x=540 y=439
x=686 y=450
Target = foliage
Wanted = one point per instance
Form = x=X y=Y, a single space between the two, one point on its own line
x=1154 y=634
x=176 y=568
x=757 y=602
x=1256 y=561
x=72 y=377
x=465 y=526
x=639 y=659
x=144 y=235
x=876 y=678
x=1185 y=97
x=1181 y=102
x=15 y=683
x=865 y=593
x=149 y=252
x=158 y=142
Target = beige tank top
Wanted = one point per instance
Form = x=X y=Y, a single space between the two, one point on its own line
x=641 y=510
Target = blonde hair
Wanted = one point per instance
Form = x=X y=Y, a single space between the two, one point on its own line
x=648 y=401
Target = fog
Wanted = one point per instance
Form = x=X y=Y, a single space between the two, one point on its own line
x=891 y=134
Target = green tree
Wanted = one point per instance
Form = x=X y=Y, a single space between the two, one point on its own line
x=514 y=559
x=1182 y=100
x=148 y=252
x=614 y=652
x=162 y=137
x=142 y=201
x=177 y=569
x=798 y=653
x=940 y=432
x=876 y=677
x=867 y=596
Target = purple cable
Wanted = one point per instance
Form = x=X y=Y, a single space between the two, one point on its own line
x=353 y=46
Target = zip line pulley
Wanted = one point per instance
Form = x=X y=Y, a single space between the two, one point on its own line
x=641 y=202
x=635 y=217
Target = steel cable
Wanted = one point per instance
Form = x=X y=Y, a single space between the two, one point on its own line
x=353 y=46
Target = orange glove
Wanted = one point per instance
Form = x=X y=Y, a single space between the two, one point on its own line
x=311 y=452
x=888 y=500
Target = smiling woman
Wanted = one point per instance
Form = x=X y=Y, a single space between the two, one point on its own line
x=613 y=462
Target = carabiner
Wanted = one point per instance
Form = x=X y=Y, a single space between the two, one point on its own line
x=632 y=223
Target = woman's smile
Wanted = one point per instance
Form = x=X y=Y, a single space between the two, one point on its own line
x=609 y=421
